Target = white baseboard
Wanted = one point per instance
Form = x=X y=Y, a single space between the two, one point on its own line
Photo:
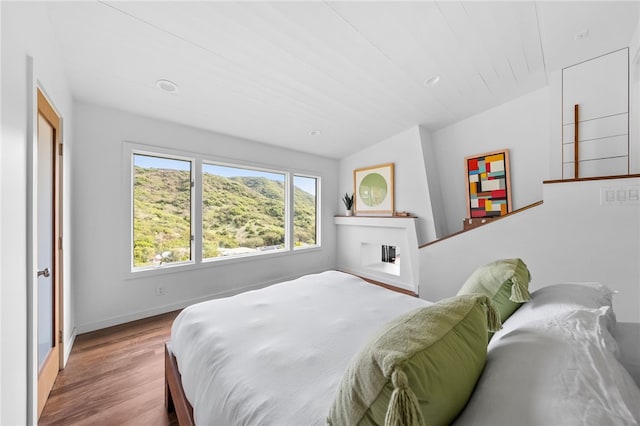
x=98 y=325
x=68 y=346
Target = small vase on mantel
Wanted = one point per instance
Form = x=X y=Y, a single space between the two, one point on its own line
x=348 y=204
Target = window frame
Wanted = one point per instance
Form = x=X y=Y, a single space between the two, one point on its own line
x=286 y=228
x=198 y=160
x=292 y=209
x=192 y=226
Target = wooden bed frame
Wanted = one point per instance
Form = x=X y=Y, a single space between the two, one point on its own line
x=174 y=398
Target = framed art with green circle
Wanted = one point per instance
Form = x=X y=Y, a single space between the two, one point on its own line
x=373 y=190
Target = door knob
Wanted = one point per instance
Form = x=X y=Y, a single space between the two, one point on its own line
x=44 y=272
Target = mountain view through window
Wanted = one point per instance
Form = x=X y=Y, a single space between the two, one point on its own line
x=243 y=211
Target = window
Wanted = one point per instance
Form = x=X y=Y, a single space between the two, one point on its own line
x=188 y=209
x=161 y=211
x=305 y=206
x=243 y=211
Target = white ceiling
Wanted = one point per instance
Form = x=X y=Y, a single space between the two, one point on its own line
x=275 y=71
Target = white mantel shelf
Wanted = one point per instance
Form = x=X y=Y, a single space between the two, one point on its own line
x=360 y=239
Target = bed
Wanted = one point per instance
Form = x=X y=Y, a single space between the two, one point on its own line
x=294 y=353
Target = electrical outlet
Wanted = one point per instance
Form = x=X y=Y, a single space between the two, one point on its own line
x=160 y=291
x=581 y=35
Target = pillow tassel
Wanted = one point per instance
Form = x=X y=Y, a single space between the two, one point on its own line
x=493 y=316
x=403 y=408
x=519 y=291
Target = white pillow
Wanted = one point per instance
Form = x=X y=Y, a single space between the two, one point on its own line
x=553 y=300
x=554 y=362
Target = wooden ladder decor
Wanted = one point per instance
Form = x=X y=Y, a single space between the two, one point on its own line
x=576 y=166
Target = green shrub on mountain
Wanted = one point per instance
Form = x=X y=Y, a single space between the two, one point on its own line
x=236 y=212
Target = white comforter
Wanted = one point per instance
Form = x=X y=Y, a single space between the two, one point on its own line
x=276 y=356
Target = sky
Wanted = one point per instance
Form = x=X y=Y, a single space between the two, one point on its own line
x=147 y=161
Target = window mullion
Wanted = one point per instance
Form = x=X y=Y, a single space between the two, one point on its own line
x=318 y=210
x=196 y=210
x=289 y=213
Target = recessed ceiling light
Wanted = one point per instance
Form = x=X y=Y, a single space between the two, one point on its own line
x=167 y=86
x=432 y=81
x=315 y=133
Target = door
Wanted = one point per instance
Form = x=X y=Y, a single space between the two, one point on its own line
x=600 y=88
x=49 y=273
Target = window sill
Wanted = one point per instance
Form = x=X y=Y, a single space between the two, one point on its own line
x=215 y=262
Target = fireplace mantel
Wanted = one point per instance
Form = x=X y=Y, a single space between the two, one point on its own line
x=360 y=241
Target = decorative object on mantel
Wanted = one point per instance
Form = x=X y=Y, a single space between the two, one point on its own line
x=474 y=223
x=488 y=184
x=402 y=214
x=388 y=253
x=373 y=190
x=348 y=203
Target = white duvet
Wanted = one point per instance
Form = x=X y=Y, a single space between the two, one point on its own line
x=276 y=356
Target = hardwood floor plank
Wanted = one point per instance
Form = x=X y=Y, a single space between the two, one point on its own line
x=114 y=376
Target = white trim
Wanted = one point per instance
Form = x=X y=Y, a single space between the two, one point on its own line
x=318 y=209
x=196 y=213
x=68 y=346
x=33 y=85
x=192 y=231
x=287 y=233
x=1 y=238
x=32 y=244
x=198 y=160
x=289 y=212
x=211 y=263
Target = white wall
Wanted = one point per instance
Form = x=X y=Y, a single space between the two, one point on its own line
x=435 y=199
x=634 y=102
x=104 y=293
x=555 y=123
x=411 y=185
x=25 y=31
x=570 y=237
x=359 y=244
x=521 y=125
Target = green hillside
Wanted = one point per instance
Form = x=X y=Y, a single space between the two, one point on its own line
x=237 y=212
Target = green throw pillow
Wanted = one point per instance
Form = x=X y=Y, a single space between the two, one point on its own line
x=505 y=281
x=420 y=368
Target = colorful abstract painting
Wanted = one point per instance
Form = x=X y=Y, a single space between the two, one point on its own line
x=488 y=184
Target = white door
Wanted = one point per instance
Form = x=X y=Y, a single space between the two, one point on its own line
x=600 y=88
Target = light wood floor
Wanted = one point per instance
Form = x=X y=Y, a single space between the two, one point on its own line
x=114 y=376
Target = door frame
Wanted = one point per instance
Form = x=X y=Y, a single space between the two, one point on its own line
x=35 y=90
x=51 y=368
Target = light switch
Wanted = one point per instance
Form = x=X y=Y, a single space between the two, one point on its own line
x=610 y=195
x=620 y=196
